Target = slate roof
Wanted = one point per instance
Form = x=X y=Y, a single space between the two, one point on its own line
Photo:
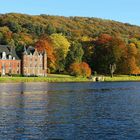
x=9 y=51
x=29 y=50
x=4 y=48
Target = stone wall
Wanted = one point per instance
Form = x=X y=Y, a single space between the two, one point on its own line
x=34 y=64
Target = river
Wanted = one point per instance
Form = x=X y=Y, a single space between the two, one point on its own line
x=70 y=111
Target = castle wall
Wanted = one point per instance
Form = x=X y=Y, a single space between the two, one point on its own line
x=30 y=65
x=34 y=65
x=10 y=66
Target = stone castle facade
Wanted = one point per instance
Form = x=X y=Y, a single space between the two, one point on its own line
x=32 y=62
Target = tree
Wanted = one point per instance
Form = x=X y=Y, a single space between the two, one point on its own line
x=135 y=41
x=132 y=61
x=44 y=43
x=75 y=69
x=103 y=39
x=14 y=26
x=7 y=35
x=80 y=69
x=75 y=54
x=108 y=50
x=50 y=29
x=88 y=48
x=85 y=69
x=61 y=47
x=1 y=37
x=112 y=69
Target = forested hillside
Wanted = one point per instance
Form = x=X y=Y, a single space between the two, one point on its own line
x=75 y=44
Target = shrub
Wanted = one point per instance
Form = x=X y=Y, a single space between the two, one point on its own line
x=80 y=69
x=16 y=75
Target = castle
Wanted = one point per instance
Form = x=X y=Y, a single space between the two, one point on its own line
x=32 y=62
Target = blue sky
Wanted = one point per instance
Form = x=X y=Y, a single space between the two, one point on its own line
x=121 y=10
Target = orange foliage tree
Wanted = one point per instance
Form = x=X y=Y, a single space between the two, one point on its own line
x=80 y=69
x=108 y=50
x=7 y=34
x=25 y=39
x=103 y=39
x=133 y=67
x=42 y=44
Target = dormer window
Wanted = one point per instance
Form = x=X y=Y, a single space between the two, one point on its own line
x=3 y=55
x=10 y=57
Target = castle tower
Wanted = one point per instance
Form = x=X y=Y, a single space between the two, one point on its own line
x=45 y=63
x=24 y=62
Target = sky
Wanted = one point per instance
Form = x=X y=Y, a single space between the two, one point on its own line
x=127 y=11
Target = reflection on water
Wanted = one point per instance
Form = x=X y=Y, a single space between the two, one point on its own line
x=70 y=111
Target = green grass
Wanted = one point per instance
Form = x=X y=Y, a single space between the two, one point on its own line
x=65 y=78
x=50 y=78
x=122 y=78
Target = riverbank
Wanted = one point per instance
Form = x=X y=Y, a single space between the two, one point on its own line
x=66 y=78
x=121 y=78
x=49 y=78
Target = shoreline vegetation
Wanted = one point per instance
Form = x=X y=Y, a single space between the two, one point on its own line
x=77 y=46
x=67 y=78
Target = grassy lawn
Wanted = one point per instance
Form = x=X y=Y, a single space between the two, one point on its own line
x=122 y=78
x=66 y=78
x=50 y=78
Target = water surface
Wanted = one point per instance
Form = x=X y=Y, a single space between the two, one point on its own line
x=70 y=111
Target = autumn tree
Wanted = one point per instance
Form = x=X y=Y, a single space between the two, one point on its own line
x=103 y=42
x=80 y=69
x=135 y=41
x=61 y=47
x=44 y=43
x=21 y=40
x=85 y=69
x=104 y=39
x=6 y=35
x=108 y=50
x=88 y=48
x=14 y=26
x=75 y=69
x=1 y=37
x=50 y=29
x=132 y=61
